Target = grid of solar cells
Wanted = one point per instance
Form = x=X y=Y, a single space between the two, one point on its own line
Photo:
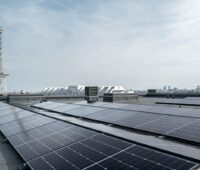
x=9 y=110
x=84 y=111
x=138 y=119
x=156 y=123
x=53 y=105
x=45 y=139
x=103 y=104
x=162 y=109
x=25 y=124
x=15 y=116
x=138 y=107
x=188 y=112
x=166 y=124
x=66 y=108
x=4 y=107
x=190 y=132
x=114 y=105
x=150 y=122
x=84 y=102
x=43 y=104
x=105 y=152
x=110 y=115
x=195 y=113
x=194 y=101
x=165 y=110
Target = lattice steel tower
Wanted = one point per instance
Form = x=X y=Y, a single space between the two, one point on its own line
x=3 y=90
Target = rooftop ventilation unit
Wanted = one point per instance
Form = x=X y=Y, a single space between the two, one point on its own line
x=91 y=94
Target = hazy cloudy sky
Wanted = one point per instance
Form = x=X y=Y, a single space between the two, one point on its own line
x=134 y=43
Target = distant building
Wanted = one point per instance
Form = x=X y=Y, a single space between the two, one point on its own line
x=64 y=91
x=78 y=90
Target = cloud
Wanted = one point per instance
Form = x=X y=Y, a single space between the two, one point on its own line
x=137 y=44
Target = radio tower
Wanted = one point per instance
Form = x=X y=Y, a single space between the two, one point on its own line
x=3 y=90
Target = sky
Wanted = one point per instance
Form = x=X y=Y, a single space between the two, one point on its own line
x=137 y=44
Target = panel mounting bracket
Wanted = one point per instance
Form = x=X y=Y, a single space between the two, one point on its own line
x=4 y=140
x=23 y=166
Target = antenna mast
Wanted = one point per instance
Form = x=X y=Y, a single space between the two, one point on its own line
x=3 y=90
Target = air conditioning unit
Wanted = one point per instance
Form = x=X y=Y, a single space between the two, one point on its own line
x=91 y=94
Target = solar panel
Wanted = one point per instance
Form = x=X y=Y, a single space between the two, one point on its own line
x=166 y=124
x=159 y=109
x=5 y=107
x=193 y=101
x=83 y=102
x=9 y=110
x=161 y=122
x=110 y=115
x=42 y=104
x=38 y=132
x=111 y=163
x=25 y=124
x=52 y=105
x=66 y=107
x=46 y=143
x=39 y=164
x=116 y=143
x=189 y=112
x=160 y=158
x=83 y=111
x=87 y=152
x=149 y=122
x=90 y=104
x=114 y=105
x=98 y=152
x=97 y=104
x=58 y=162
x=180 y=111
x=47 y=138
x=74 y=158
x=195 y=113
x=137 y=119
x=137 y=107
x=48 y=105
x=188 y=132
x=15 y=116
x=102 y=104
x=192 y=98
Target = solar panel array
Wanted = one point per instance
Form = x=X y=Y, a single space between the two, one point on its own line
x=50 y=144
x=146 y=108
x=193 y=101
x=179 y=123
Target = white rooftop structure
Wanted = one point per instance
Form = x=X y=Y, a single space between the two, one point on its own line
x=74 y=90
